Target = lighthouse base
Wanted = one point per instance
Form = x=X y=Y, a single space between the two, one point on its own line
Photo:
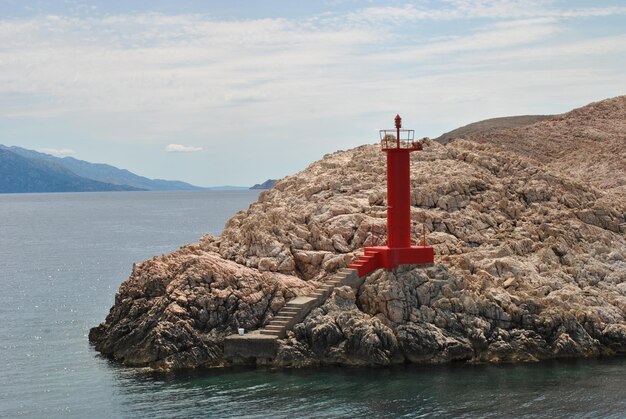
x=388 y=258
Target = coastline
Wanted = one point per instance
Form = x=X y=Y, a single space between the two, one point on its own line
x=523 y=271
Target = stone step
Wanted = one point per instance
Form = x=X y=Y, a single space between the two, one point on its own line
x=360 y=261
x=272 y=330
x=293 y=313
x=295 y=305
x=290 y=314
x=286 y=317
x=281 y=323
x=282 y=318
x=299 y=301
x=289 y=309
x=273 y=327
x=319 y=291
x=278 y=333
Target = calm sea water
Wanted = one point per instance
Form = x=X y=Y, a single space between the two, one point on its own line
x=63 y=256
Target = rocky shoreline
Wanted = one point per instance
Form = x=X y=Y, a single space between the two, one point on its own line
x=530 y=262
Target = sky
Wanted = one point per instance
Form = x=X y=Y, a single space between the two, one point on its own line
x=236 y=92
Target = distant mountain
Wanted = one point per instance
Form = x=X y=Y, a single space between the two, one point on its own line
x=488 y=125
x=20 y=174
x=265 y=185
x=104 y=172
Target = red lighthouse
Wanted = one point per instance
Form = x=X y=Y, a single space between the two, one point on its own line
x=397 y=144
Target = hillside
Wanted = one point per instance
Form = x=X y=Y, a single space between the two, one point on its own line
x=530 y=262
x=105 y=173
x=586 y=144
x=19 y=174
x=489 y=125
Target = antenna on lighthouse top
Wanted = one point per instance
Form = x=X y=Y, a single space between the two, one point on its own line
x=398 y=126
x=398 y=138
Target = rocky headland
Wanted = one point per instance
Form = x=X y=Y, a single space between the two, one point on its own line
x=529 y=229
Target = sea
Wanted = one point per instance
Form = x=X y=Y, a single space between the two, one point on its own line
x=64 y=255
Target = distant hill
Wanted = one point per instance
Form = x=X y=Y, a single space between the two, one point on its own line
x=265 y=185
x=586 y=144
x=20 y=174
x=490 y=125
x=105 y=173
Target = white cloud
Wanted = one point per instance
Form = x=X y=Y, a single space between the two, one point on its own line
x=505 y=36
x=186 y=65
x=477 y=9
x=267 y=87
x=57 y=152
x=178 y=148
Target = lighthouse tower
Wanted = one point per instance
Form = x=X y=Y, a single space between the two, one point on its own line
x=398 y=144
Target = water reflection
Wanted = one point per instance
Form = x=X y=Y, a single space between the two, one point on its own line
x=546 y=389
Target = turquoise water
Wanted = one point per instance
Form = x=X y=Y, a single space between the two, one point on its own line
x=63 y=256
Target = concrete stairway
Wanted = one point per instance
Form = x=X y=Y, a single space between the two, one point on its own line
x=294 y=311
x=297 y=309
x=262 y=343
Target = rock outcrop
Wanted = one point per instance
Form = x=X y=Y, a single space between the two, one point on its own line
x=530 y=260
x=174 y=310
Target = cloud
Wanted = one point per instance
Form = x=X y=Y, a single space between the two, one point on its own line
x=185 y=65
x=476 y=9
x=300 y=86
x=178 y=148
x=57 y=152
